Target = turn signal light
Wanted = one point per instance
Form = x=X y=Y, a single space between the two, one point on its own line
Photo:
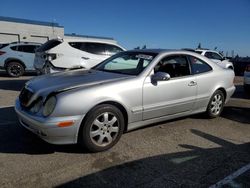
x=65 y=123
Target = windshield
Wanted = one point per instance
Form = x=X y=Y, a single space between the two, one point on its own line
x=131 y=63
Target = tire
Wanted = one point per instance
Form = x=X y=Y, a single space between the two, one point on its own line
x=216 y=104
x=102 y=128
x=15 y=69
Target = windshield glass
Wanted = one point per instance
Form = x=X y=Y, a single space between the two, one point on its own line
x=131 y=63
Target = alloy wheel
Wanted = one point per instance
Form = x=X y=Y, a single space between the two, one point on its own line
x=104 y=129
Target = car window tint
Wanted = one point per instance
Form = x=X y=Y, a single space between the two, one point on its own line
x=198 y=66
x=216 y=56
x=27 y=48
x=112 y=49
x=212 y=55
x=95 y=48
x=3 y=45
x=15 y=48
x=76 y=45
x=198 y=52
x=175 y=66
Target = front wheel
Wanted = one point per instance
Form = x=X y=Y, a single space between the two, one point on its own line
x=102 y=128
x=216 y=104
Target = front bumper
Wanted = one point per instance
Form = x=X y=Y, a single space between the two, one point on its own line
x=47 y=129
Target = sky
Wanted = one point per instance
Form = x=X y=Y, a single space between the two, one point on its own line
x=170 y=24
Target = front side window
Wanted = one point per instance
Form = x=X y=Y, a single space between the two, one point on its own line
x=175 y=66
x=131 y=63
x=198 y=66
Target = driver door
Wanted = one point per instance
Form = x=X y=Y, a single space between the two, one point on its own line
x=173 y=96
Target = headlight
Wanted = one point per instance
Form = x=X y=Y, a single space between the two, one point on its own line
x=49 y=106
x=37 y=106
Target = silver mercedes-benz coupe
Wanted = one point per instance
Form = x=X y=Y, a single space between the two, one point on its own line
x=127 y=91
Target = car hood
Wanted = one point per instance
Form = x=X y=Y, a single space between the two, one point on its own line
x=59 y=82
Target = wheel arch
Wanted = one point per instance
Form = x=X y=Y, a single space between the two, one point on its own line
x=109 y=102
x=12 y=60
x=223 y=91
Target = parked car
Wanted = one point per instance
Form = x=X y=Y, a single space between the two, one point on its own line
x=247 y=79
x=16 y=58
x=127 y=91
x=60 y=54
x=216 y=57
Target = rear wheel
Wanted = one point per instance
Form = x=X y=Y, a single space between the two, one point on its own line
x=15 y=69
x=102 y=128
x=216 y=104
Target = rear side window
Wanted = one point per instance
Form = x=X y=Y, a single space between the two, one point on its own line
x=198 y=66
x=48 y=45
x=212 y=55
x=112 y=49
x=198 y=52
x=24 y=48
x=94 y=48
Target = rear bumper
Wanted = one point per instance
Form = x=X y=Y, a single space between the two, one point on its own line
x=47 y=129
x=230 y=91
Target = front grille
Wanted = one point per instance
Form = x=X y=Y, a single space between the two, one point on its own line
x=25 y=96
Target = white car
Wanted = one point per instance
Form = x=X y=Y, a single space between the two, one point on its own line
x=17 y=57
x=247 y=79
x=61 y=54
x=216 y=57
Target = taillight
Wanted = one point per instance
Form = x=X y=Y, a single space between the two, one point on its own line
x=1 y=52
x=248 y=68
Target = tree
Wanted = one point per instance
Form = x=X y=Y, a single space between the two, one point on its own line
x=144 y=46
x=199 y=45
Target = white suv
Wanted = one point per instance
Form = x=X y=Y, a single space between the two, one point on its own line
x=62 y=54
x=216 y=57
x=16 y=58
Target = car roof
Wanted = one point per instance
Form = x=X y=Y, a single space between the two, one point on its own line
x=107 y=41
x=161 y=51
x=157 y=51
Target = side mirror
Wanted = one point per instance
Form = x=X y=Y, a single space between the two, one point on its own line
x=160 y=76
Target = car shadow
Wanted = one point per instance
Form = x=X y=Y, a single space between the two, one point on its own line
x=16 y=139
x=5 y=75
x=196 y=167
x=240 y=93
x=238 y=114
x=12 y=85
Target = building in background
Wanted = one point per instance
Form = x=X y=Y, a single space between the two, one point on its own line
x=16 y=30
x=24 y=30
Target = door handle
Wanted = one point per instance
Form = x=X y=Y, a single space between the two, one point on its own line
x=85 y=58
x=192 y=83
